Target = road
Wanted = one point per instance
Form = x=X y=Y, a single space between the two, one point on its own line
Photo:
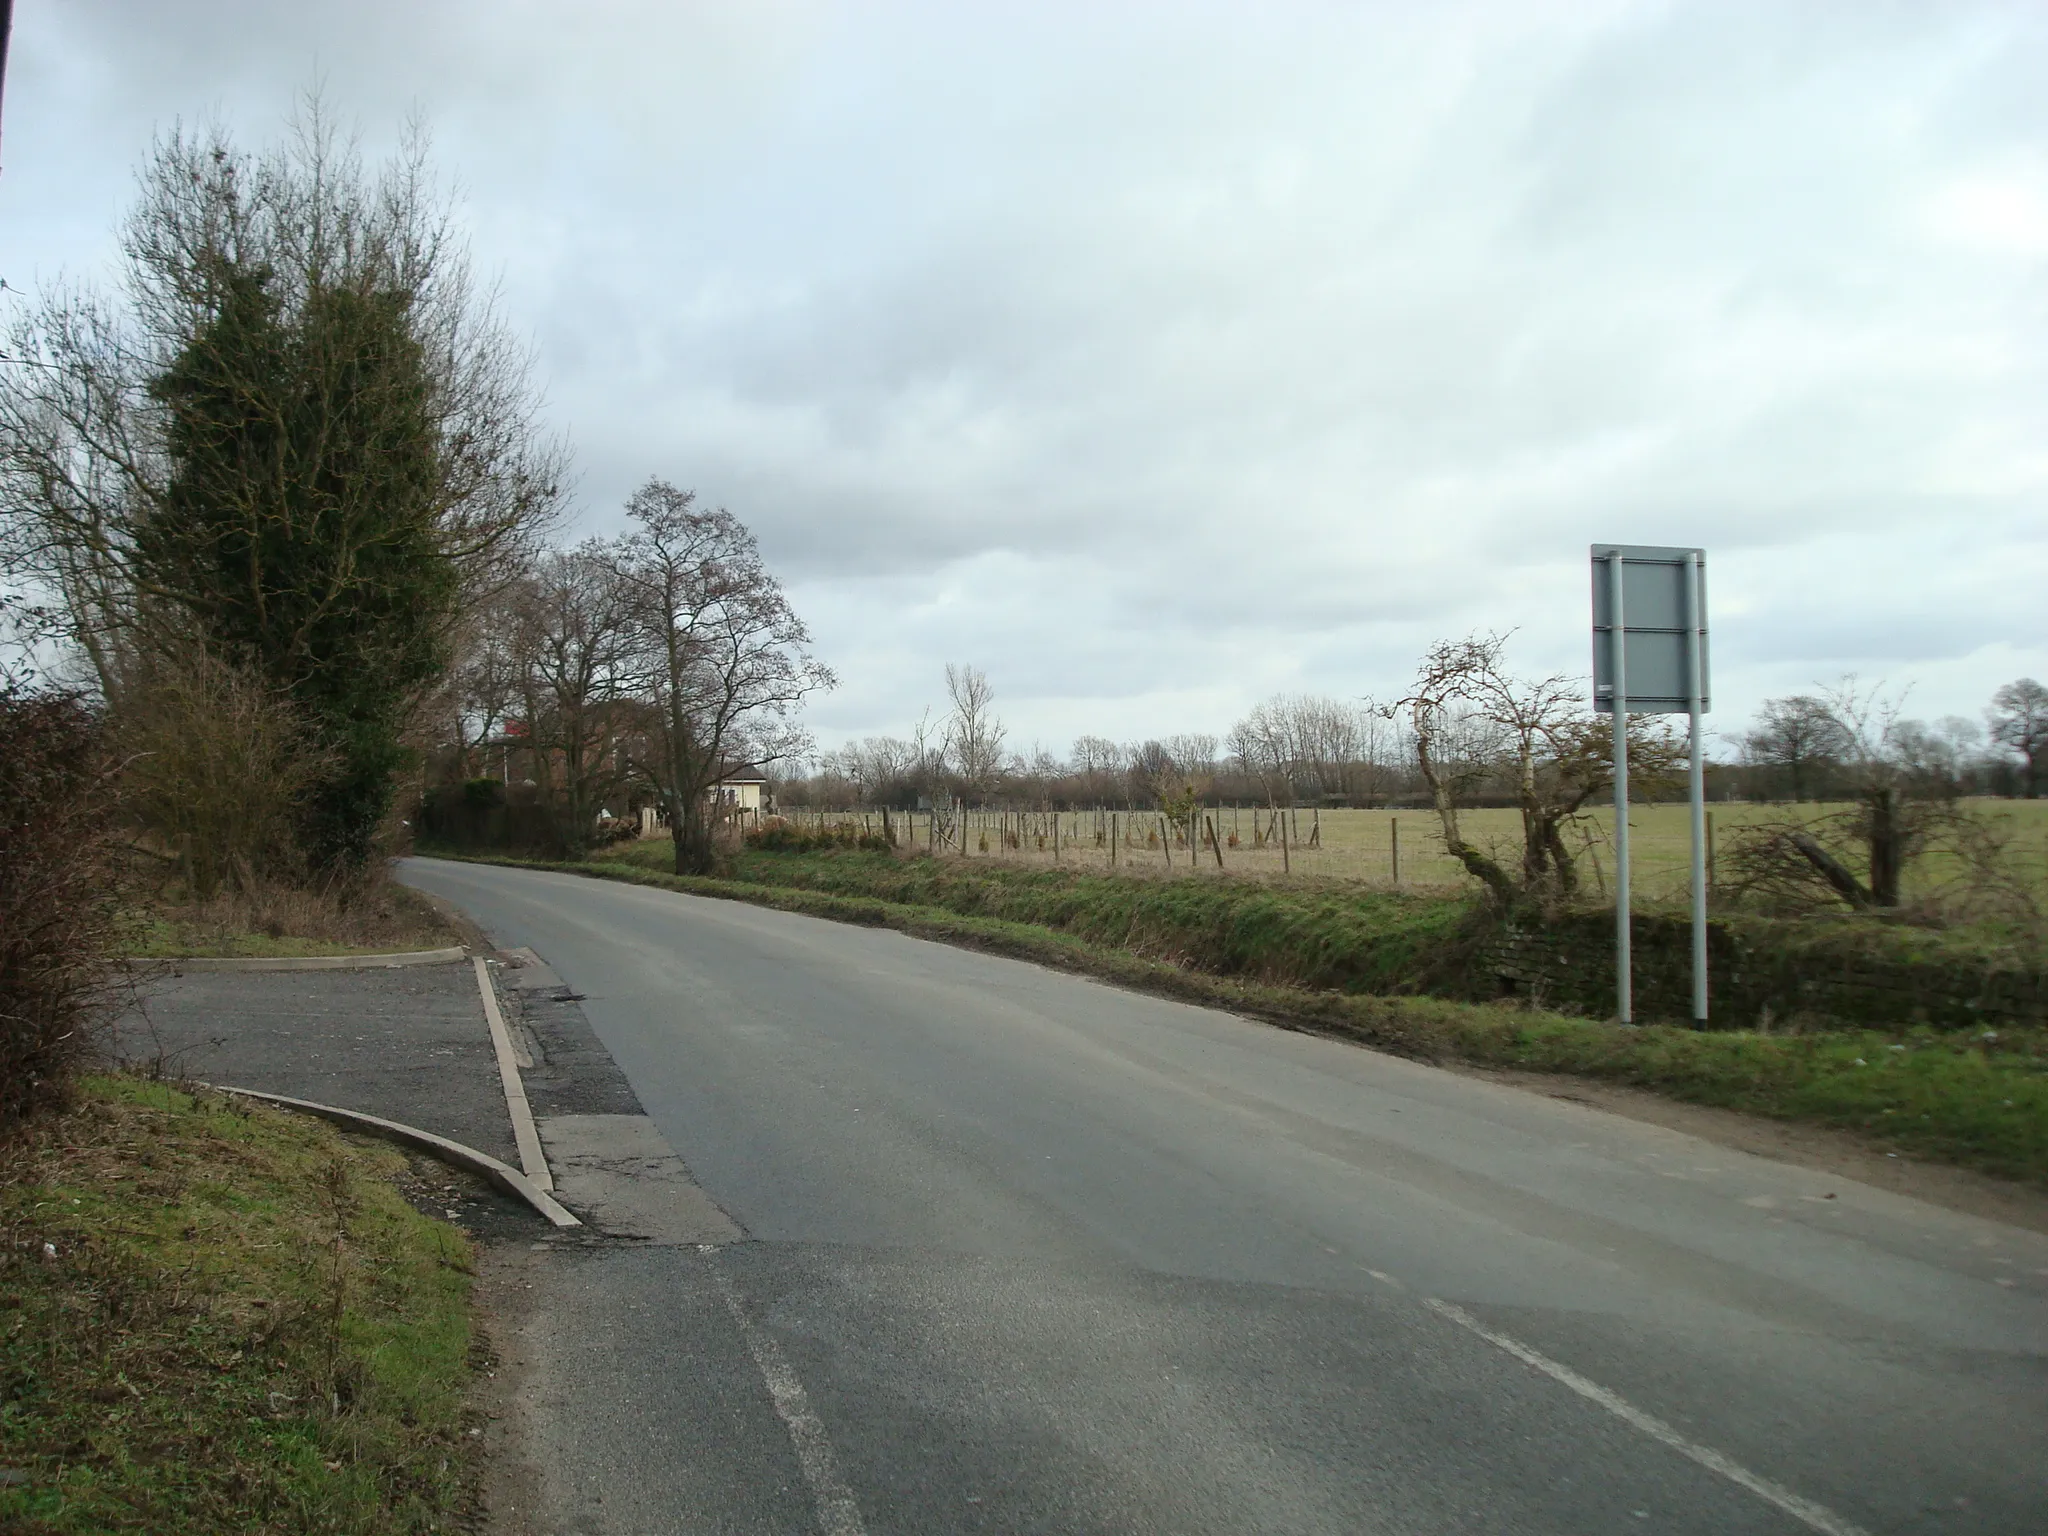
x=1025 y=1252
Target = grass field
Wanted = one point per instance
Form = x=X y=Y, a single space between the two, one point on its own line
x=1360 y=845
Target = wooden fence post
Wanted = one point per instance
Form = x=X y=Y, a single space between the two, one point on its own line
x=1394 y=826
x=1286 y=863
x=1215 y=843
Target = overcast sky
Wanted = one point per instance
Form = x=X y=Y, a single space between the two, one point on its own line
x=1160 y=357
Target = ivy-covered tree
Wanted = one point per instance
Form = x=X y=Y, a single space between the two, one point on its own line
x=297 y=525
x=299 y=439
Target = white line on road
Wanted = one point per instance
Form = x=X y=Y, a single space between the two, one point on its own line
x=1814 y=1516
x=838 y=1515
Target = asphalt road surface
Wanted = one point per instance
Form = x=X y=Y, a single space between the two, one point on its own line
x=1025 y=1252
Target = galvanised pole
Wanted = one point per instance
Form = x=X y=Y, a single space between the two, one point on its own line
x=1695 y=615
x=1624 y=1000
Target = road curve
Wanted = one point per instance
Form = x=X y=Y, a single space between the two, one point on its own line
x=1036 y=1254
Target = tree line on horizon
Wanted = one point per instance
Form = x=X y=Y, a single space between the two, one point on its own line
x=1306 y=749
x=1471 y=733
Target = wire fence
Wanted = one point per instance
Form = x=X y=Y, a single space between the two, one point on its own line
x=1392 y=848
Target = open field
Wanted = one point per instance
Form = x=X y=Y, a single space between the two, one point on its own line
x=1361 y=845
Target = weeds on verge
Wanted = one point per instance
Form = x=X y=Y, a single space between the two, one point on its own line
x=216 y=1317
x=373 y=916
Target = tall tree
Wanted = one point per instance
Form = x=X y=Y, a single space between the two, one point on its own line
x=1801 y=738
x=2019 y=722
x=974 y=736
x=299 y=436
x=572 y=658
x=720 y=656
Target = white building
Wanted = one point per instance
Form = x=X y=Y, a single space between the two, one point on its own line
x=743 y=793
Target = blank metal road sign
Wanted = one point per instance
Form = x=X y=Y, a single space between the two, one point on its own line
x=1659 y=605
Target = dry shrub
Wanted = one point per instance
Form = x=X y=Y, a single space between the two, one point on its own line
x=58 y=893
x=218 y=768
x=1790 y=868
x=1781 y=867
x=370 y=911
x=1994 y=884
x=777 y=834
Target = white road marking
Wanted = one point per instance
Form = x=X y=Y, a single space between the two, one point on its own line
x=838 y=1515
x=1817 y=1517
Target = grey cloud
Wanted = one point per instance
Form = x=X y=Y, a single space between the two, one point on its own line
x=1155 y=356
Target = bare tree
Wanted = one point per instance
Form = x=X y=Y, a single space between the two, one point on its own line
x=1312 y=746
x=2019 y=722
x=572 y=658
x=1560 y=757
x=1939 y=758
x=720 y=657
x=1259 y=743
x=928 y=759
x=1801 y=738
x=1193 y=753
x=1098 y=763
x=876 y=764
x=1441 y=721
x=481 y=692
x=1474 y=721
x=1896 y=813
x=974 y=736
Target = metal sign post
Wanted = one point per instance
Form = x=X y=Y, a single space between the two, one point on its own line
x=1696 y=777
x=1650 y=657
x=1617 y=645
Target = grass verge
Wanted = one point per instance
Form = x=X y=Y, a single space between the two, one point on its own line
x=1306 y=933
x=219 y=1317
x=382 y=917
x=1978 y=1100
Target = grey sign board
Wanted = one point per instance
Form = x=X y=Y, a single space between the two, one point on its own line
x=1663 y=602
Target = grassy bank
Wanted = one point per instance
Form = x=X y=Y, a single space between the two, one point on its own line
x=381 y=917
x=1977 y=1099
x=1344 y=938
x=1830 y=971
x=218 y=1317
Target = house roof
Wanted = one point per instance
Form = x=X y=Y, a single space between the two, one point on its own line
x=745 y=773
